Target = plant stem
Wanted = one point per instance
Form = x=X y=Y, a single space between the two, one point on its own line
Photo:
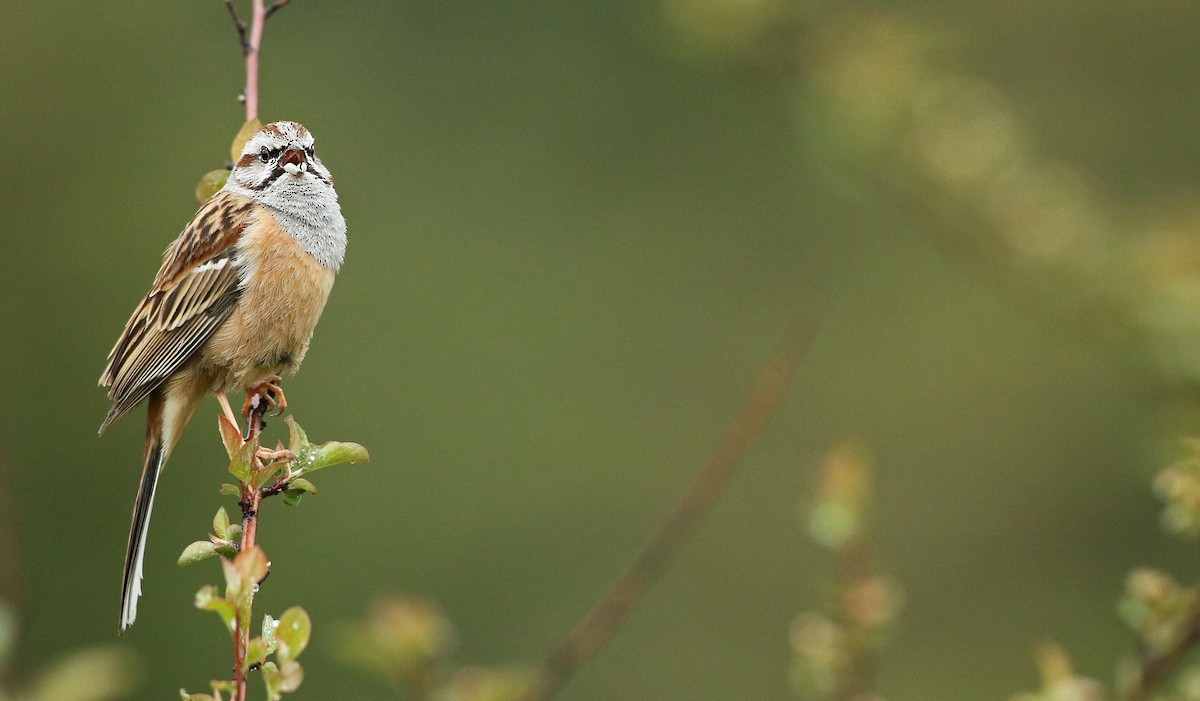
x=251 y=44
x=598 y=626
x=257 y=20
x=250 y=503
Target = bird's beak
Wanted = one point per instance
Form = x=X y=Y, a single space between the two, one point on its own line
x=294 y=162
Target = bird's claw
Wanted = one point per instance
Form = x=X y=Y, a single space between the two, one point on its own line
x=264 y=396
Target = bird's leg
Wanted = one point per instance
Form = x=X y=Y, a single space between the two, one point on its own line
x=227 y=410
x=259 y=399
x=280 y=453
x=266 y=455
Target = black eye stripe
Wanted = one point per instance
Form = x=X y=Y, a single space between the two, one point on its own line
x=266 y=154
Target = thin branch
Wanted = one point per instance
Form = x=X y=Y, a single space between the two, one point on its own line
x=656 y=554
x=240 y=25
x=252 y=46
x=275 y=6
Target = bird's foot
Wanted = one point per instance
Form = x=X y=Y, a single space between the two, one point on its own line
x=264 y=396
x=279 y=453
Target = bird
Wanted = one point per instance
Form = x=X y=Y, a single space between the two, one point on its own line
x=232 y=307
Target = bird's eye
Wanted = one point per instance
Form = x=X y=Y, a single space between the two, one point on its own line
x=311 y=151
x=264 y=155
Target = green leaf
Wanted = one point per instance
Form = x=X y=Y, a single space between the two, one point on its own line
x=299 y=439
x=302 y=485
x=235 y=533
x=207 y=599
x=282 y=679
x=241 y=455
x=291 y=674
x=200 y=550
x=256 y=653
x=210 y=184
x=240 y=465
x=271 y=680
x=247 y=131
x=230 y=436
x=231 y=490
x=261 y=477
x=185 y=696
x=253 y=564
x=335 y=453
x=269 y=626
x=242 y=575
x=295 y=628
x=291 y=497
x=221 y=523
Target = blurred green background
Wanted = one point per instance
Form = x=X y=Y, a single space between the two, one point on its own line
x=576 y=229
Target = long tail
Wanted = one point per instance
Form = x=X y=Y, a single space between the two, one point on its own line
x=131 y=585
x=167 y=412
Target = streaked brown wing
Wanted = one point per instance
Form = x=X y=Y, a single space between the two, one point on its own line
x=195 y=290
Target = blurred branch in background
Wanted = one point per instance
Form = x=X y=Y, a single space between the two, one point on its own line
x=409 y=641
x=877 y=101
x=835 y=652
x=590 y=634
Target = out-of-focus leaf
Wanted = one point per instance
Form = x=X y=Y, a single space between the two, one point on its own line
x=242 y=576
x=292 y=497
x=282 y=679
x=207 y=599
x=295 y=628
x=271 y=680
x=486 y=684
x=231 y=490
x=92 y=675
x=291 y=675
x=248 y=130
x=210 y=184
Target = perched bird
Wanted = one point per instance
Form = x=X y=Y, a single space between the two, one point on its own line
x=232 y=307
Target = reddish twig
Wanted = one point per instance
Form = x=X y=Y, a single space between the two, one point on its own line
x=598 y=626
x=250 y=38
x=251 y=501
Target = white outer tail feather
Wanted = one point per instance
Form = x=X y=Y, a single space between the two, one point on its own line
x=132 y=586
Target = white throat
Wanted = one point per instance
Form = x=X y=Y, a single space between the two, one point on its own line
x=308 y=208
